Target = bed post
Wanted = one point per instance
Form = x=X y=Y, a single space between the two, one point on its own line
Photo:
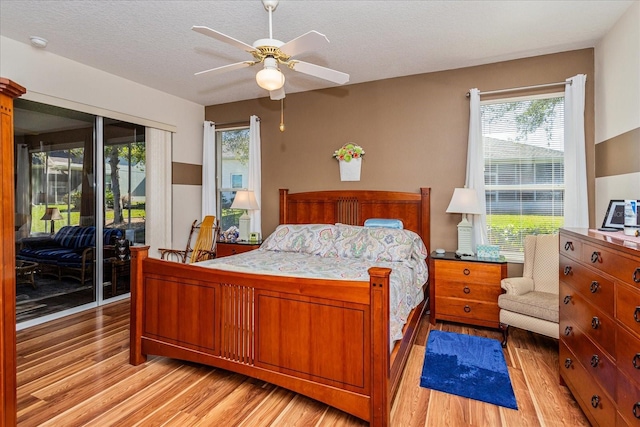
x=379 y=312
x=283 y=205
x=138 y=254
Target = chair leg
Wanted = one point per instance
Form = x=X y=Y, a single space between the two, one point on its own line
x=505 y=333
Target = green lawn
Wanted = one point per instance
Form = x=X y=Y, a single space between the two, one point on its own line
x=38 y=225
x=508 y=231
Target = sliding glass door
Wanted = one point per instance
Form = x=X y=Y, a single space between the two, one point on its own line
x=80 y=197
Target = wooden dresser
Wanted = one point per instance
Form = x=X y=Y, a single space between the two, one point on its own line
x=600 y=325
x=465 y=289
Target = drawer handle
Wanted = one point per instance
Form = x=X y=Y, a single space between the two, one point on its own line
x=595 y=322
x=636 y=275
x=595 y=360
x=466 y=290
x=596 y=257
x=568 y=246
x=567 y=330
x=567 y=363
x=567 y=270
x=467 y=309
x=636 y=410
x=636 y=361
x=567 y=299
x=595 y=400
x=466 y=271
x=636 y=314
x=594 y=287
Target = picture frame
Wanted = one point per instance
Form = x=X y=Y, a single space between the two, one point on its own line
x=614 y=217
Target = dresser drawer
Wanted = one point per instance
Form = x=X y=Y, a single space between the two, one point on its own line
x=468 y=291
x=578 y=313
x=613 y=263
x=628 y=400
x=467 y=311
x=469 y=272
x=591 y=397
x=595 y=288
x=595 y=361
x=628 y=354
x=570 y=247
x=628 y=307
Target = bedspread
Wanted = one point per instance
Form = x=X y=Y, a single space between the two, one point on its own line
x=407 y=277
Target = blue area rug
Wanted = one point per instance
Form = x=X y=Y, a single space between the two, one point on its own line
x=467 y=366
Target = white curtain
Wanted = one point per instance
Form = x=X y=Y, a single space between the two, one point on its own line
x=576 y=206
x=209 y=191
x=255 y=172
x=23 y=193
x=158 y=222
x=475 y=169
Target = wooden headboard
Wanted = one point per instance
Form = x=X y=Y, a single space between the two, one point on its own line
x=353 y=207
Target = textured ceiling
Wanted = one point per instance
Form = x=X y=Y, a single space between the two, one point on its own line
x=151 y=42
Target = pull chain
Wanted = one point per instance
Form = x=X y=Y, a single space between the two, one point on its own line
x=282 y=115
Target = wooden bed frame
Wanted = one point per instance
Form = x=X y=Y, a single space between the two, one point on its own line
x=326 y=339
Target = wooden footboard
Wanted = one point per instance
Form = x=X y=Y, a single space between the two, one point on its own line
x=328 y=340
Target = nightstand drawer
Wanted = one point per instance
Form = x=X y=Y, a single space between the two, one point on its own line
x=226 y=249
x=469 y=272
x=467 y=311
x=468 y=291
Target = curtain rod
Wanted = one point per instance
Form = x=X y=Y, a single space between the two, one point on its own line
x=242 y=122
x=514 y=89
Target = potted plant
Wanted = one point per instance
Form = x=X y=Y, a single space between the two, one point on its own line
x=349 y=157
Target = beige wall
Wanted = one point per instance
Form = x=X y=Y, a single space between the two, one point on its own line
x=413 y=129
x=618 y=112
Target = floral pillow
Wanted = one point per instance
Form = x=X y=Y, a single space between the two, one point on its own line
x=314 y=239
x=375 y=244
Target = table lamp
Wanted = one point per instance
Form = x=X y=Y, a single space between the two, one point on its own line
x=245 y=199
x=52 y=214
x=464 y=201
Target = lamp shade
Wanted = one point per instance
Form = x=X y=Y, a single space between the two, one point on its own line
x=464 y=201
x=52 y=214
x=270 y=77
x=245 y=199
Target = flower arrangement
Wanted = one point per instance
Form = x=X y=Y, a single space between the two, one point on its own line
x=349 y=151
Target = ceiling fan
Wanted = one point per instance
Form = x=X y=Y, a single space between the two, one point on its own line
x=272 y=53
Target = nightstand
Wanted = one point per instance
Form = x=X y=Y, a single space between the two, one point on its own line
x=465 y=289
x=227 y=248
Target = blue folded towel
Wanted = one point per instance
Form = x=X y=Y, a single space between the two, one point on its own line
x=383 y=222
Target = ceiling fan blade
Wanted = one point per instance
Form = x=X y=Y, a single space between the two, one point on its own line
x=312 y=40
x=223 y=38
x=321 y=72
x=225 y=68
x=278 y=94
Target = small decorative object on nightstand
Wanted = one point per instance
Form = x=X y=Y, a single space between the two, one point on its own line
x=465 y=289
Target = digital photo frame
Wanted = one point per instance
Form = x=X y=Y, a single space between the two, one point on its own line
x=614 y=218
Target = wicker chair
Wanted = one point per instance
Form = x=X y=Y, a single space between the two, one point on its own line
x=204 y=247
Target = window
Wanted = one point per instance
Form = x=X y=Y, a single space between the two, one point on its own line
x=233 y=165
x=524 y=169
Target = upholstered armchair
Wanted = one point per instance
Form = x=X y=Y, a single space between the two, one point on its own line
x=531 y=302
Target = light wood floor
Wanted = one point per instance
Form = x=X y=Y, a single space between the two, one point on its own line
x=75 y=372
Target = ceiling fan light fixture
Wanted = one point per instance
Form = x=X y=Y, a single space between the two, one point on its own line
x=270 y=77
